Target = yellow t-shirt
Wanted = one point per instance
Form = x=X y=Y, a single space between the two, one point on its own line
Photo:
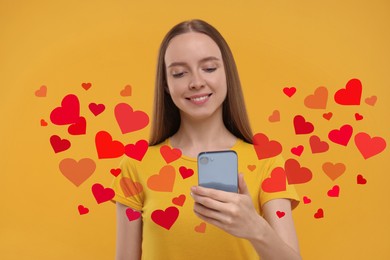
x=161 y=191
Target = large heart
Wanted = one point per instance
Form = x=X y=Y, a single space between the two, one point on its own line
x=68 y=112
x=170 y=154
x=333 y=171
x=58 y=144
x=341 y=136
x=351 y=94
x=368 y=146
x=106 y=147
x=295 y=173
x=264 y=147
x=164 y=180
x=79 y=127
x=77 y=171
x=129 y=120
x=276 y=182
x=301 y=126
x=165 y=218
x=318 y=100
x=102 y=194
x=138 y=150
x=318 y=146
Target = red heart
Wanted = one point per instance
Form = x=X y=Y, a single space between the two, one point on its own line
x=289 y=91
x=58 y=144
x=368 y=146
x=129 y=120
x=102 y=194
x=132 y=214
x=41 y=92
x=341 y=136
x=68 y=112
x=297 y=150
x=43 y=122
x=276 y=182
x=371 y=100
x=306 y=200
x=358 y=116
x=185 y=173
x=351 y=94
x=138 y=150
x=82 y=210
x=318 y=146
x=319 y=213
x=86 y=86
x=327 y=116
x=165 y=218
x=179 y=201
x=77 y=171
x=301 y=126
x=201 y=228
x=116 y=172
x=264 y=147
x=295 y=173
x=170 y=154
x=361 y=180
x=334 y=192
x=96 y=109
x=79 y=127
x=280 y=214
x=318 y=100
x=106 y=147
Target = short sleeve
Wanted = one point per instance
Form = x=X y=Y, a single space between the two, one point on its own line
x=128 y=189
x=284 y=191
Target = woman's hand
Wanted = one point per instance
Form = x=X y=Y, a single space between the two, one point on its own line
x=229 y=211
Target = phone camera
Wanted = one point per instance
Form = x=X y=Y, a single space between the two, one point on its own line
x=204 y=160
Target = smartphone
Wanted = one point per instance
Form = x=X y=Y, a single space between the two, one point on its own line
x=218 y=170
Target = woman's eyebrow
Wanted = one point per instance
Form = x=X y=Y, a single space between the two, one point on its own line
x=210 y=58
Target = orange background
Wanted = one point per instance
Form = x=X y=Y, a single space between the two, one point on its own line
x=277 y=44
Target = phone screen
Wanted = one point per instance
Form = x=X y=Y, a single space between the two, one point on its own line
x=218 y=170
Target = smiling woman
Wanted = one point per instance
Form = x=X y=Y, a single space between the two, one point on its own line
x=199 y=107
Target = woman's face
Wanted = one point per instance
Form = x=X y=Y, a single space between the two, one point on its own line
x=196 y=75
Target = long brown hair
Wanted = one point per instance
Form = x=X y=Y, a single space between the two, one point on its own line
x=166 y=116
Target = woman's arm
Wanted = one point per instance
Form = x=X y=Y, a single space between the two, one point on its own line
x=128 y=235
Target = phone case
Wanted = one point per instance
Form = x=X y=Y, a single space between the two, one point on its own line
x=218 y=170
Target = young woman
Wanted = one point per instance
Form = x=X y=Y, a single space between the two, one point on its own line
x=199 y=106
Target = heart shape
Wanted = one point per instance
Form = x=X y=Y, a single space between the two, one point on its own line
x=132 y=214
x=58 y=144
x=295 y=173
x=298 y=150
x=306 y=200
x=341 y=136
x=327 y=116
x=77 y=172
x=102 y=194
x=358 y=117
x=82 y=210
x=264 y=147
x=276 y=182
x=251 y=167
x=318 y=100
x=179 y=201
x=351 y=94
x=334 y=192
x=170 y=154
x=129 y=120
x=79 y=127
x=86 y=86
x=165 y=218
x=368 y=146
x=333 y=171
x=280 y=214
x=201 y=228
x=164 y=180
x=106 y=147
x=289 y=91
x=126 y=91
x=116 y=172
x=301 y=126
x=96 y=109
x=318 y=146
x=275 y=117
x=129 y=187
x=186 y=172
x=41 y=92
x=319 y=213
x=68 y=113
x=138 y=150
x=371 y=100
x=361 y=180
x=43 y=122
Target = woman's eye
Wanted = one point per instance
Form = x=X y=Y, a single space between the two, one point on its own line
x=178 y=74
x=210 y=69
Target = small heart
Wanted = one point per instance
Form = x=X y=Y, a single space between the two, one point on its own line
x=179 y=201
x=79 y=127
x=361 y=180
x=334 y=192
x=252 y=167
x=58 y=144
x=201 y=228
x=333 y=171
x=319 y=213
x=358 y=116
x=116 y=172
x=371 y=100
x=318 y=146
x=96 y=109
x=318 y=100
x=86 y=86
x=301 y=126
x=280 y=214
x=306 y=200
x=41 y=92
x=298 y=150
x=126 y=91
x=102 y=194
x=170 y=154
x=43 y=122
x=289 y=91
x=132 y=214
x=186 y=173
x=275 y=117
x=165 y=218
x=82 y=210
x=327 y=116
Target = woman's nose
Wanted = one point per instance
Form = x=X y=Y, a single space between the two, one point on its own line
x=196 y=81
